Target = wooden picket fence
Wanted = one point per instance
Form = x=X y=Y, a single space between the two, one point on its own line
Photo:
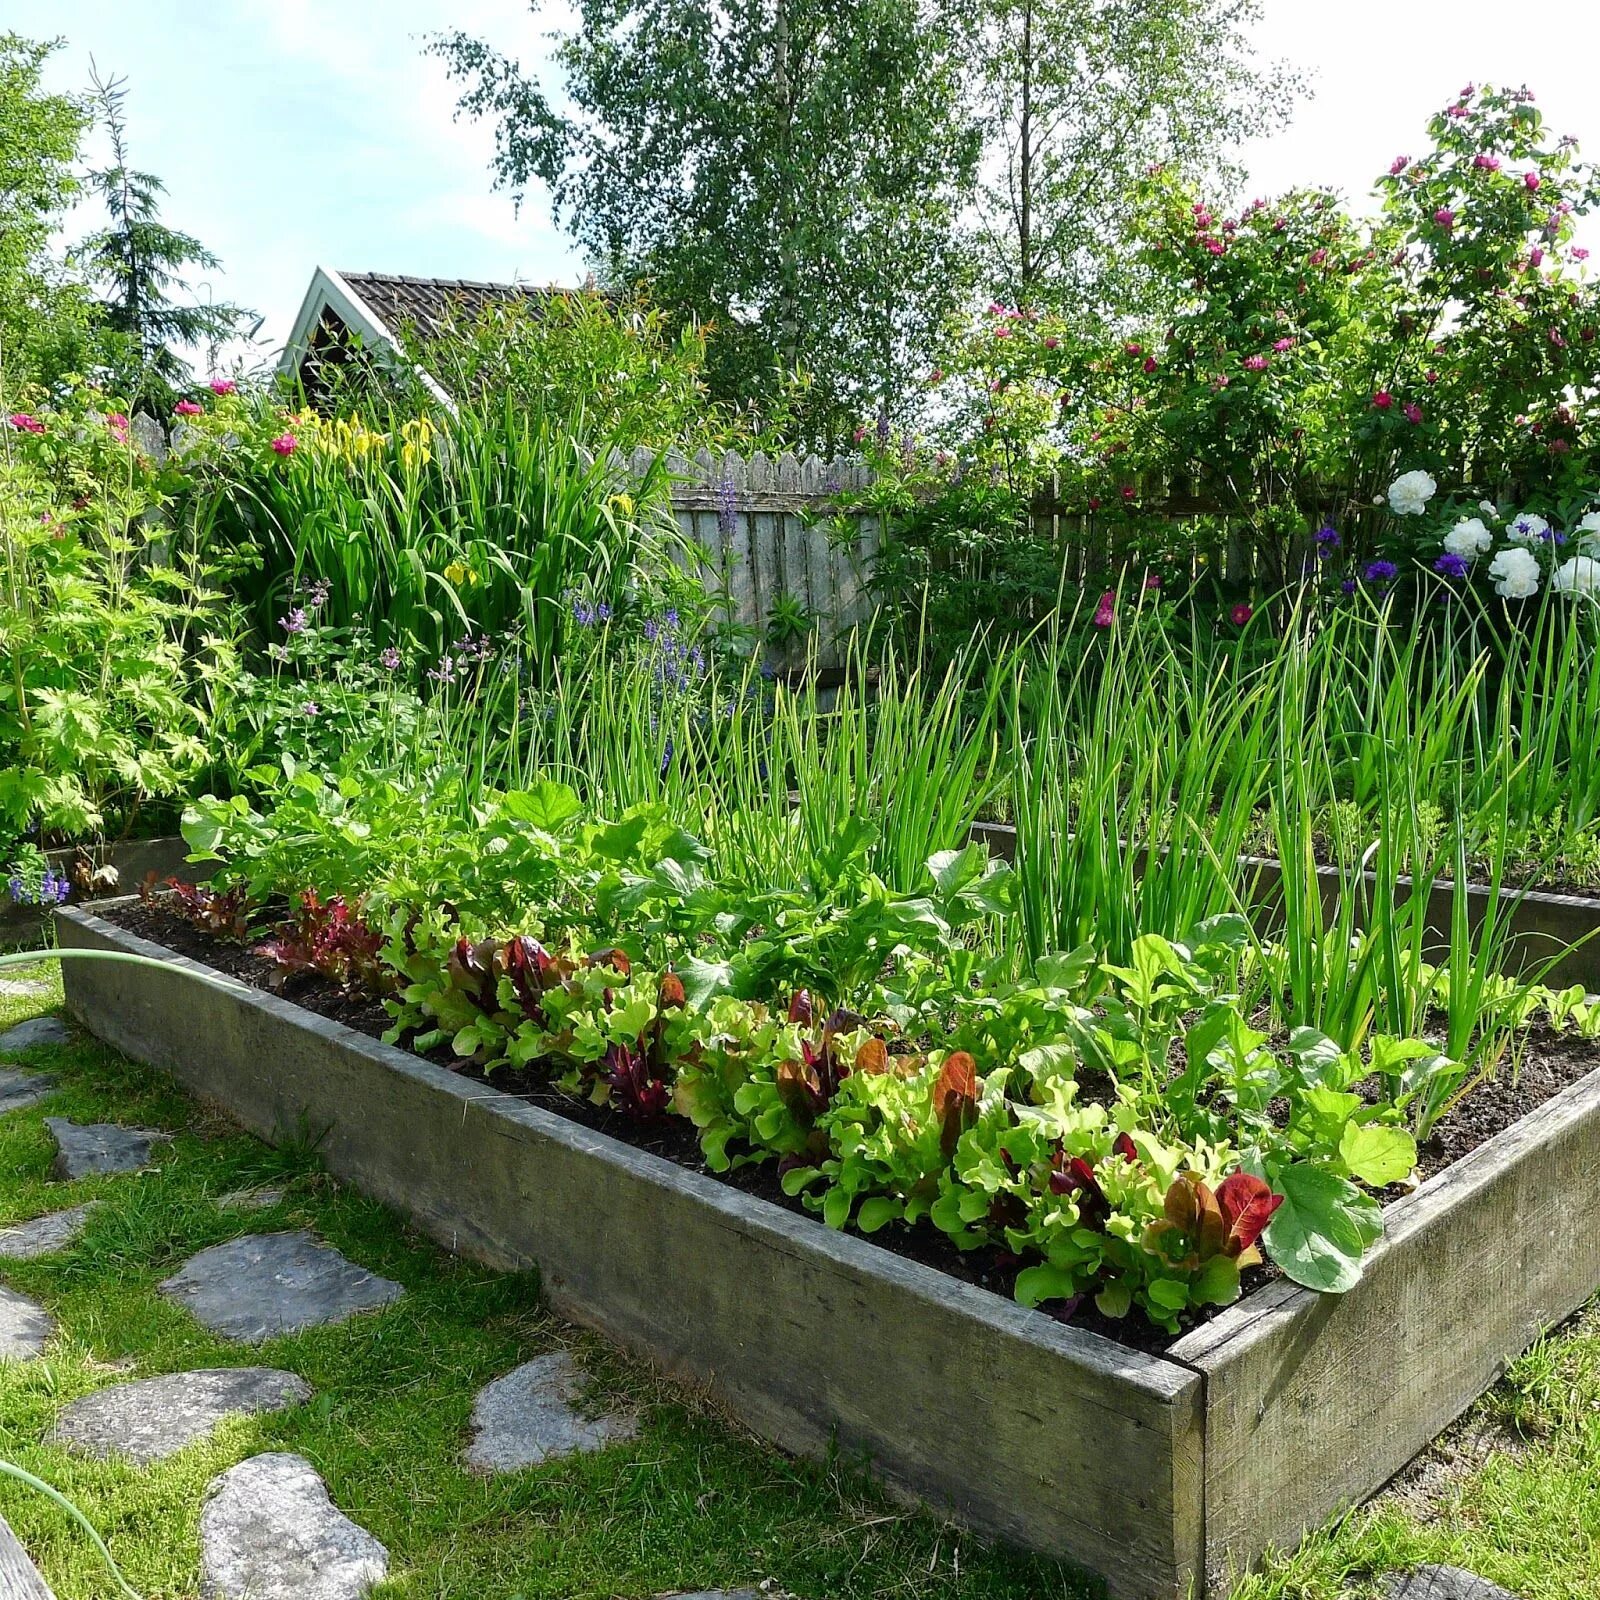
x=768 y=540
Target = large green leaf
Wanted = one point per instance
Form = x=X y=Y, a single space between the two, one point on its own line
x=1323 y=1228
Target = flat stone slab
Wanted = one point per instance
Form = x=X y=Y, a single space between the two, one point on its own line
x=36 y=1030
x=24 y=1326
x=100 y=1149
x=270 y=1531
x=43 y=1236
x=716 y=1594
x=19 y=1578
x=1442 y=1583
x=530 y=1416
x=270 y=1283
x=250 y=1199
x=153 y=1418
x=19 y=1090
x=24 y=987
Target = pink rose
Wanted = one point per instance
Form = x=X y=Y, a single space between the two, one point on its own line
x=1399 y=165
x=1487 y=162
x=1412 y=411
x=223 y=386
x=1150 y=363
x=186 y=408
x=1132 y=349
x=1255 y=363
x=284 y=444
x=1128 y=491
x=1445 y=217
x=1535 y=259
x=1383 y=400
x=23 y=423
x=1531 y=182
x=1283 y=344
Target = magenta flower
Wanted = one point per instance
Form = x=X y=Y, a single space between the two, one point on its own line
x=390 y=659
x=1399 y=165
x=1487 y=162
x=223 y=386
x=1050 y=341
x=1412 y=411
x=1318 y=256
x=1152 y=580
x=1445 y=217
x=186 y=408
x=1241 y=613
x=1105 y=612
x=1128 y=491
x=284 y=444
x=1132 y=349
x=1535 y=259
x=1150 y=363
x=1255 y=363
x=23 y=423
x=295 y=622
x=310 y=708
x=1579 y=253
x=1283 y=344
x=1383 y=400
x=117 y=423
x=1215 y=246
x=1531 y=182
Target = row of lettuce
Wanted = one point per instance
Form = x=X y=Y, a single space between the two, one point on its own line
x=1136 y=1133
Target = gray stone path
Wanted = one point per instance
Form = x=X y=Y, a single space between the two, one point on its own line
x=100 y=1149
x=1442 y=1583
x=153 y=1418
x=530 y=1416
x=19 y=1090
x=270 y=1531
x=36 y=1030
x=24 y=988
x=19 y=1578
x=270 y=1283
x=716 y=1594
x=43 y=1236
x=24 y=1326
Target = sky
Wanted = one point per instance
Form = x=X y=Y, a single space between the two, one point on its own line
x=298 y=133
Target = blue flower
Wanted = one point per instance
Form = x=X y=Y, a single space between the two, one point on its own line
x=1451 y=566
x=1379 y=571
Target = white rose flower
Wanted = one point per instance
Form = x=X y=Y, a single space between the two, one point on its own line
x=1489 y=508
x=1516 y=574
x=1469 y=539
x=1410 y=493
x=1527 y=528
x=1580 y=575
x=1588 y=531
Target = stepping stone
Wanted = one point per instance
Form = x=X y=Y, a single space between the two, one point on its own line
x=250 y=1199
x=530 y=1416
x=36 y=1030
x=270 y=1283
x=24 y=1326
x=100 y=1149
x=22 y=987
x=1442 y=1583
x=270 y=1531
x=19 y=1578
x=716 y=1594
x=19 y=1090
x=156 y=1417
x=43 y=1236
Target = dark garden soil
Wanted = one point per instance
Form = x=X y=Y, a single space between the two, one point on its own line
x=1545 y=1063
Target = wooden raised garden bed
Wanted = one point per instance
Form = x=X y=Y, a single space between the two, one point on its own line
x=1165 y=1473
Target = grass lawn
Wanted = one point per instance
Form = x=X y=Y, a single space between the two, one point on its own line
x=694 y=1502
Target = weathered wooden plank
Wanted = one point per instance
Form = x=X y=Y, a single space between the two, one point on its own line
x=1046 y=1434
x=1314 y=1401
x=19 y=1578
